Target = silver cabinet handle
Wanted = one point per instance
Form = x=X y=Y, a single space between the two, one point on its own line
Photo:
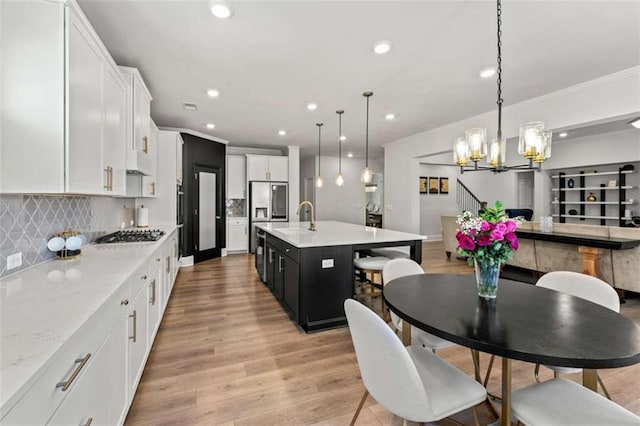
x=106 y=186
x=168 y=264
x=153 y=292
x=89 y=421
x=280 y=259
x=270 y=256
x=81 y=363
x=135 y=325
x=245 y=230
x=158 y=259
x=144 y=277
x=124 y=302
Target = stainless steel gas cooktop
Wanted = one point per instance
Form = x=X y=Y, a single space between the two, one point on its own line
x=131 y=236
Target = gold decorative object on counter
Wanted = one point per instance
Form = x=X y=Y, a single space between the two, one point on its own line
x=67 y=244
x=591 y=197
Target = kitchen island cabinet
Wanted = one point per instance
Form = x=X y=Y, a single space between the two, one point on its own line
x=311 y=272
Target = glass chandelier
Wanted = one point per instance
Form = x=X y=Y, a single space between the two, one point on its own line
x=534 y=143
x=367 y=175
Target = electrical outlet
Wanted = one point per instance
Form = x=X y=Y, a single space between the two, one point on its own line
x=14 y=261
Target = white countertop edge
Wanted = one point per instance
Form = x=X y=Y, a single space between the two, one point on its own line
x=6 y=404
x=333 y=233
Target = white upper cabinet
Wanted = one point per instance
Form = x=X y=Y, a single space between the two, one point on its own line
x=114 y=144
x=63 y=97
x=139 y=141
x=236 y=177
x=279 y=169
x=267 y=167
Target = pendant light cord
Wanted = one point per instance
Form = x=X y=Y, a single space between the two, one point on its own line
x=340 y=112
x=499 y=81
x=366 y=149
x=319 y=136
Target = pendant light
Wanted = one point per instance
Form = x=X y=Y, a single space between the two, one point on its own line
x=366 y=174
x=339 y=178
x=534 y=143
x=319 y=181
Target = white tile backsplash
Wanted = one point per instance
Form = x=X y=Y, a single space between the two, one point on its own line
x=27 y=222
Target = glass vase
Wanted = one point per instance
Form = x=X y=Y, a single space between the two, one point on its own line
x=487 y=275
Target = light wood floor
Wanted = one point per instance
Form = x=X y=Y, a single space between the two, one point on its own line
x=227 y=354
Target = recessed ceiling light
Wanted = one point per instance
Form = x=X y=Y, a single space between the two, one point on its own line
x=390 y=116
x=636 y=123
x=350 y=155
x=282 y=132
x=213 y=93
x=382 y=47
x=312 y=106
x=343 y=138
x=487 y=72
x=211 y=126
x=563 y=134
x=220 y=9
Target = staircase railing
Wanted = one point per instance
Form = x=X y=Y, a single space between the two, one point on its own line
x=466 y=200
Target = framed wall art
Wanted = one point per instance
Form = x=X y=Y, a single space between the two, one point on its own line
x=444 y=185
x=423 y=185
x=433 y=185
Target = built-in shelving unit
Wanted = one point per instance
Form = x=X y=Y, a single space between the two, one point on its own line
x=610 y=189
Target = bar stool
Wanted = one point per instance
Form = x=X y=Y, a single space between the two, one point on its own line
x=392 y=252
x=373 y=266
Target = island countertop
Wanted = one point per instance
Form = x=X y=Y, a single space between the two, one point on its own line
x=332 y=233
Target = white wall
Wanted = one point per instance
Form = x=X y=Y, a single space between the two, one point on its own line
x=344 y=203
x=601 y=100
x=432 y=206
x=294 y=181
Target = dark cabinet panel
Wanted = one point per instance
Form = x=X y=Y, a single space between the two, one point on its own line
x=326 y=278
x=291 y=291
x=271 y=265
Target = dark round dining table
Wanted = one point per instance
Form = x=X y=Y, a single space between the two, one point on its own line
x=524 y=322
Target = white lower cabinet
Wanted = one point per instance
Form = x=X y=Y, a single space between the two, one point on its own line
x=138 y=337
x=118 y=392
x=237 y=235
x=93 y=378
x=85 y=404
x=155 y=297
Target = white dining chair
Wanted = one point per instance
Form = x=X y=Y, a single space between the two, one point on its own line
x=585 y=287
x=397 y=268
x=563 y=402
x=411 y=383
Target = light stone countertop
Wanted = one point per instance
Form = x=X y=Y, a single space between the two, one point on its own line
x=42 y=307
x=331 y=233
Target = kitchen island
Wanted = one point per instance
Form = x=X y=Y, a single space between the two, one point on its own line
x=311 y=272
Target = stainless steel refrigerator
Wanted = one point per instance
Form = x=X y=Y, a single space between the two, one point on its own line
x=268 y=202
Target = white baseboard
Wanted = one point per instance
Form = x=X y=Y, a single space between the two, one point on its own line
x=436 y=237
x=186 y=261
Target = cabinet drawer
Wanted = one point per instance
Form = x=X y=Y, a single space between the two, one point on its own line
x=237 y=221
x=291 y=251
x=69 y=365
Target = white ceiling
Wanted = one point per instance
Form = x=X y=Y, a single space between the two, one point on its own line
x=273 y=57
